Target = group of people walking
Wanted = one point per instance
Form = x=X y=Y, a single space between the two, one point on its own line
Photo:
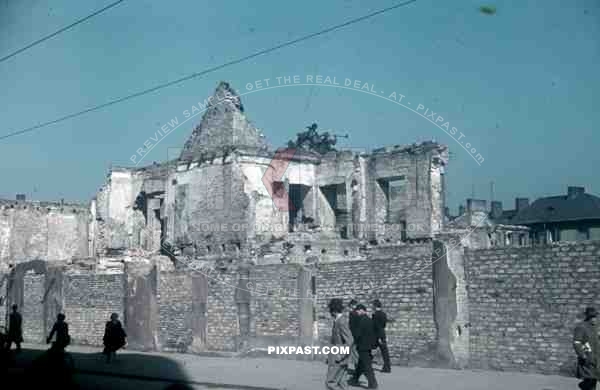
x=114 y=334
x=362 y=334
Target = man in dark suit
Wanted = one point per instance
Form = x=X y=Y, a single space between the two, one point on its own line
x=365 y=341
x=341 y=336
x=353 y=316
x=379 y=321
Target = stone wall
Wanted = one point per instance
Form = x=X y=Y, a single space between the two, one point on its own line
x=525 y=302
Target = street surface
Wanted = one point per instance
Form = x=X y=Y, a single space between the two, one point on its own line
x=156 y=371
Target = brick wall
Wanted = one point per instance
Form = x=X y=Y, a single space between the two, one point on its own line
x=89 y=300
x=421 y=204
x=4 y=298
x=209 y=207
x=398 y=252
x=175 y=311
x=222 y=314
x=525 y=302
x=405 y=290
x=275 y=307
x=32 y=309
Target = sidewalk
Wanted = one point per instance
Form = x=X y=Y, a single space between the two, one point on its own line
x=274 y=373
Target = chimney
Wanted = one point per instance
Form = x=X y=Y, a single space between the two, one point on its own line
x=496 y=209
x=21 y=197
x=521 y=203
x=475 y=205
x=574 y=192
x=461 y=210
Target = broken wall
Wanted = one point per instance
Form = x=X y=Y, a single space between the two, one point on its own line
x=49 y=231
x=209 y=208
x=420 y=205
x=117 y=220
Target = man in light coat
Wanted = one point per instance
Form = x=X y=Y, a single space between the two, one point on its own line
x=337 y=364
x=352 y=317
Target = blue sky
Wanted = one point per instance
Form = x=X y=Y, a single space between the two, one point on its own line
x=520 y=85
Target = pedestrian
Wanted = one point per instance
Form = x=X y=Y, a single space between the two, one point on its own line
x=61 y=328
x=379 y=321
x=587 y=348
x=114 y=337
x=352 y=323
x=15 y=328
x=337 y=364
x=365 y=342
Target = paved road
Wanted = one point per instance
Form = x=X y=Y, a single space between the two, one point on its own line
x=149 y=371
x=109 y=382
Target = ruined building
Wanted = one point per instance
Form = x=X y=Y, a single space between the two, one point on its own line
x=234 y=246
x=221 y=197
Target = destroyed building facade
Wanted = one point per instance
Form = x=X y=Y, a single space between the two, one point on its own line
x=221 y=197
x=234 y=246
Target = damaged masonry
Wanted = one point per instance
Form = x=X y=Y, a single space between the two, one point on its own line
x=195 y=256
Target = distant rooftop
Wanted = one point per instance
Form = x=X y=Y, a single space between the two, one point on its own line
x=575 y=206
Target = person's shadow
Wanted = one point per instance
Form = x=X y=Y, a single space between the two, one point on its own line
x=65 y=370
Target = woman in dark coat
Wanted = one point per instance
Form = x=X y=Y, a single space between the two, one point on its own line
x=587 y=348
x=114 y=337
x=61 y=329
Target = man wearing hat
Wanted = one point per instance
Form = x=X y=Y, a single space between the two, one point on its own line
x=365 y=342
x=341 y=337
x=587 y=348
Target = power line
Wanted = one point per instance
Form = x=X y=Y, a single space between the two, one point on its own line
x=43 y=39
x=206 y=71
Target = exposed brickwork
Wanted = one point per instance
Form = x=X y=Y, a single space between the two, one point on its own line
x=89 y=300
x=405 y=290
x=3 y=297
x=32 y=309
x=275 y=307
x=175 y=311
x=525 y=302
x=222 y=315
x=210 y=209
x=398 y=252
x=223 y=125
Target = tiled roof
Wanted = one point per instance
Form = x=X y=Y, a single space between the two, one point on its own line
x=506 y=218
x=559 y=209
